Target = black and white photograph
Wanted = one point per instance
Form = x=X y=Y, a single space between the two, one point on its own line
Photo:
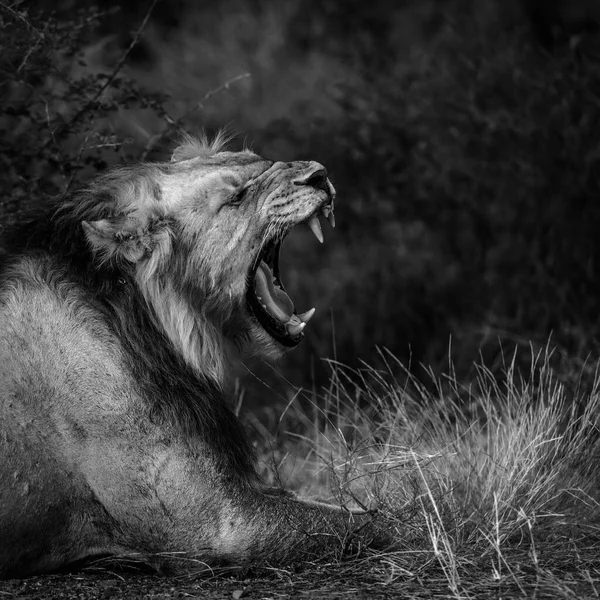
x=299 y=299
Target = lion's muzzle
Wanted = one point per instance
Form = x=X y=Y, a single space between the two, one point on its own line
x=267 y=299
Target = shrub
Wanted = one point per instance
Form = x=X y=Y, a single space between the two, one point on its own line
x=60 y=117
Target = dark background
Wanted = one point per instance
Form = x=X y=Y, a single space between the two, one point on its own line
x=463 y=137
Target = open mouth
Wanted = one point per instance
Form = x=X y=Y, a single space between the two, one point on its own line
x=267 y=299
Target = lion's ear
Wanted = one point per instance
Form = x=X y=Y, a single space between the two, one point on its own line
x=123 y=238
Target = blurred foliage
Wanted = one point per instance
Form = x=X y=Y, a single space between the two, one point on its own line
x=465 y=155
x=56 y=111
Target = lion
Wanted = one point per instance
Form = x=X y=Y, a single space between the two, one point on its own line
x=121 y=308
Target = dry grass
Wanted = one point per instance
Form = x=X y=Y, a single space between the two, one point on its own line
x=491 y=487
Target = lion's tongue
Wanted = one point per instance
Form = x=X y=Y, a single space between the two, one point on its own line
x=277 y=302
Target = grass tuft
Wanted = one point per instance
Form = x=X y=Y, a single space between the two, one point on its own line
x=491 y=484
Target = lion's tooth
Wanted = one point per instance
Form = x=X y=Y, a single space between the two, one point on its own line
x=294 y=329
x=327 y=212
x=307 y=316
x=315 y=227
x=332 y=192
x=331 y=218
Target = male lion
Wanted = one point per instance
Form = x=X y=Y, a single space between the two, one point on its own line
x=117 y=308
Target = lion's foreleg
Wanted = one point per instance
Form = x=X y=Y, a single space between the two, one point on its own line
x=281 y=529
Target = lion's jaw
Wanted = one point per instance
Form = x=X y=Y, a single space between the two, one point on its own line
x=204 y=247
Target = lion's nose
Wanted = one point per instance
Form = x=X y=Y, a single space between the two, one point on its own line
x=314 y=175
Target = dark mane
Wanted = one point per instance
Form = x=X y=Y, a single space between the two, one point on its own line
x=176 y=395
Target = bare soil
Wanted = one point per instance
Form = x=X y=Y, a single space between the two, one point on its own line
x=328 y=582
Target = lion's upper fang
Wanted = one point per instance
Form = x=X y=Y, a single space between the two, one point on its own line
x=315 y=227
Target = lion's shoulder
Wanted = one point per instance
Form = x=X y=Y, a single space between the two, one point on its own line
x=45 y=310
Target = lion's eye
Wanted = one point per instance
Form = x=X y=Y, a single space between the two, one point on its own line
x=238 y=197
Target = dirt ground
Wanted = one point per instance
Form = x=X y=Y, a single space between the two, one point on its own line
x=329 y=582
x=277 y=586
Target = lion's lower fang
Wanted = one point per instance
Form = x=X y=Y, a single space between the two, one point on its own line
x=307 y=316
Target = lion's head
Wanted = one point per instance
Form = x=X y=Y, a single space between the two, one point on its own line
x=200 y=236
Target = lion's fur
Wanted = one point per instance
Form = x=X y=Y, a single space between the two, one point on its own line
x=118 y=307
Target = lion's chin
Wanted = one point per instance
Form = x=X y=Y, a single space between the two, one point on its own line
x=264 y=345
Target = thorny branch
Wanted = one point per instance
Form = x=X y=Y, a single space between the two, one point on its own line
x=111 y=78
x=21 y=16
x=121 y=63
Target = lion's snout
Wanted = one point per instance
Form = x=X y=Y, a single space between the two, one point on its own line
x=315 y=175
